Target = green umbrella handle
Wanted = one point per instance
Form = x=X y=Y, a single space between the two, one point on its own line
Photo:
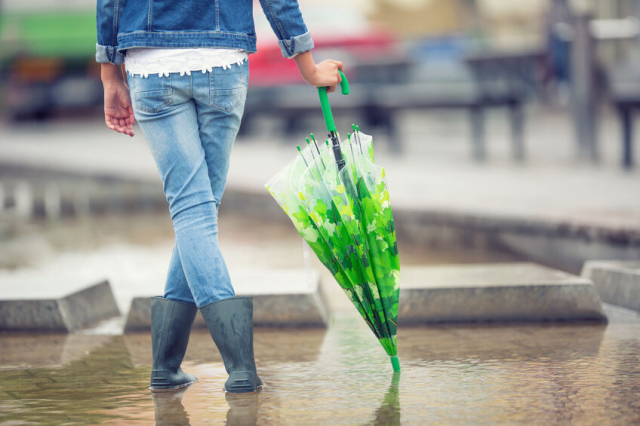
x=324 y=102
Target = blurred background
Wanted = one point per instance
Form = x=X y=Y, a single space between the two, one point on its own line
x=508 y=133
x=507 y=130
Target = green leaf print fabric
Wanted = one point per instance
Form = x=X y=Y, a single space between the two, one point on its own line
x=345 y=216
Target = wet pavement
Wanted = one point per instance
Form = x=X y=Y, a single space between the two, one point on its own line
x=540 y=374
x=537 y=374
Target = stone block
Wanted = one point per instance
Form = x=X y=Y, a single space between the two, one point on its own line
x=28 y=309
x=495 y=292
x=618 y=282
x=281 y=298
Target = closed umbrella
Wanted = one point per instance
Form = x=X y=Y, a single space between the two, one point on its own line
x=338 y=201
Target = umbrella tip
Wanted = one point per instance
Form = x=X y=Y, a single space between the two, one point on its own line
x=349 y=136
x=308 y=142
x=395 y=362
x=298 y=146
x=313 y=137
x=326 y=141
x=353 y=127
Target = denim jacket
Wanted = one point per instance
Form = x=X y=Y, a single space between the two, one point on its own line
x=123 y=24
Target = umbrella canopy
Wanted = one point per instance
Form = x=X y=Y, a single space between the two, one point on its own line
x=338 y=200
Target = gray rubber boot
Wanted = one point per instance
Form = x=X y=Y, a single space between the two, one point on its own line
x=170 y=329
x=230 y=323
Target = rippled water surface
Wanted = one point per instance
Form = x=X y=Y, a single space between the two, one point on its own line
x=581 y=374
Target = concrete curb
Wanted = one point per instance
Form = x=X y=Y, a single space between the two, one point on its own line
x=75 y=311
x=292 y=305
x=499 y=292
x=617 y=282
x=557 y=242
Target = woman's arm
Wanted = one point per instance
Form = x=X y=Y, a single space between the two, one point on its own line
x=118 y=111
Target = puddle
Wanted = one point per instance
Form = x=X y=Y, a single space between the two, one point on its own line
x=544 y=374
x=583 y=374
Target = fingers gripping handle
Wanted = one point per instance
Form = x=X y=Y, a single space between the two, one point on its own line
x=324 y=102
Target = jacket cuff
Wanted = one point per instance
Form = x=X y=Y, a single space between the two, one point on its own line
x=295 y=45
x=108 y=54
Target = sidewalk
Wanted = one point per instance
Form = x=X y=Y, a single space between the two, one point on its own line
x=435 y=173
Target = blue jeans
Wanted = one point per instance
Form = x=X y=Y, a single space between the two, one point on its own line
x=190 y=123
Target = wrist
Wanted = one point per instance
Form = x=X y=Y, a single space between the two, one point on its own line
x=306 y=65
x=111 y=73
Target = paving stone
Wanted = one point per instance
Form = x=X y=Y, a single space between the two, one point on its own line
x=29 y=308
x=495 y=292
x=281 y=298
x=618 y=282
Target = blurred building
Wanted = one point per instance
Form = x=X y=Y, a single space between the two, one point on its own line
x=47 y=57
x=47 y=61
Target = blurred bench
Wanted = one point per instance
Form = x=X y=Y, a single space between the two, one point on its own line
x=624 y=88
x=381 y=91
x=415 y=96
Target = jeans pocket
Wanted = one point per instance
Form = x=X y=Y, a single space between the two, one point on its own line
x=226 y=99
x=228 y=87
x=150 y=94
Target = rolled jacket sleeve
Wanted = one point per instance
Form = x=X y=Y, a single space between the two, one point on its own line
x=107 y=15
x=286 y=21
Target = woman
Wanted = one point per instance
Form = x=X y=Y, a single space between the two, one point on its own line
x=186 y=74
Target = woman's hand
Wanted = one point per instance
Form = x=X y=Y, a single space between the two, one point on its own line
x=118 y=111
x=319 y=75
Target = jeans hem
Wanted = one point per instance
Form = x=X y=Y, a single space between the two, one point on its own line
x=226 y=298
x=184 y=302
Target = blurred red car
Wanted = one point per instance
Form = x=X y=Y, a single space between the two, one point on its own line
x=342 y=33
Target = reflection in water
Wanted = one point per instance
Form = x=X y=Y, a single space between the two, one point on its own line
x=86 y=388
x=548 y=374
x=389 y=412
x=169 y=409
x=199 y=399
x=243 y=409
x=270 y=346
x=61 y=349
x=486 y=342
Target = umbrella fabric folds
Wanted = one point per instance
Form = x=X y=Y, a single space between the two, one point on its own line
x=339 y=203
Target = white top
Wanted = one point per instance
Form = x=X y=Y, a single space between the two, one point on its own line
x=161 y=61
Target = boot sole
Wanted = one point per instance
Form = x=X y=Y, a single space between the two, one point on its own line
x=257 y=389
x=169 y=389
